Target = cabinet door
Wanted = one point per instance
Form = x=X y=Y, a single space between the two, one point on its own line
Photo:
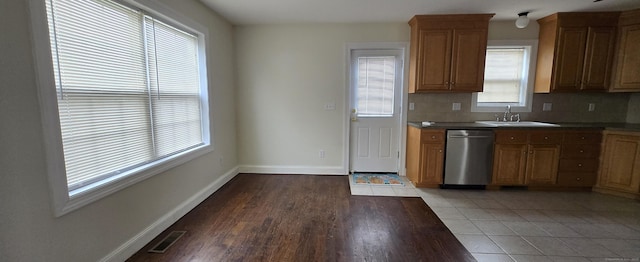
x=628 y=61
x=413 y=154
x=433 y=67
x=469 y=52
x=431 y=169
x=598 y=58
x=509 y=164
x=569 y=58
x=621 y=163
x=542 y=164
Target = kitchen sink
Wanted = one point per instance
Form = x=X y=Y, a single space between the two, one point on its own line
x=517 y=124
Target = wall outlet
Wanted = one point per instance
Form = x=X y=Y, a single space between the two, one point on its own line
x=321 y=153
x=592 y=107
x=455 y=107
x=546 y=106
x=412 y=106
x=330 y=106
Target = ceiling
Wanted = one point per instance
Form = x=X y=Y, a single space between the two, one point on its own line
x=247 y=12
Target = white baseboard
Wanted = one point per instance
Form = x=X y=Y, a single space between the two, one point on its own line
x=303 y=170
x=137 y=242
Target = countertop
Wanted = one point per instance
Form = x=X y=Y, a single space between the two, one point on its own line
x=472 y=125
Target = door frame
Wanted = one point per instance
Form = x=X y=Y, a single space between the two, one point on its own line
x=403 y=47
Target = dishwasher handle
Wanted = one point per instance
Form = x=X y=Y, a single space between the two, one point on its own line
x=470 y=137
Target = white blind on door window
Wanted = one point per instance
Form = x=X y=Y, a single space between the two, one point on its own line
x=375 y=82
x=128 y=94
x=503 y=76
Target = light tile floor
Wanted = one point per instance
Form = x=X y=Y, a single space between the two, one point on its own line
x=532 y=225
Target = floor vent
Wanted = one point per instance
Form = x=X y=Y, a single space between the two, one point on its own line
x=167 y=242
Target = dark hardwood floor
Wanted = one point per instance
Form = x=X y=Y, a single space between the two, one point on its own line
x=307 y=218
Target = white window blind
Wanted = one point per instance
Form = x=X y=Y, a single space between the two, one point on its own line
x=503 y=78
x=376 y=82
x=128 y=88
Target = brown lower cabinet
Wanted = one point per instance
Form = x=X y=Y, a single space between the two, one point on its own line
x=425 y=156
x=561 y=158
x=579 y=159
x=524 y=157
x=620 y=171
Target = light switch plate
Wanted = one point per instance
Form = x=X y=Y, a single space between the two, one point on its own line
x=455 y=107
x=592 y=107
x=330 y=106
x=412 y=106
x=546 y=107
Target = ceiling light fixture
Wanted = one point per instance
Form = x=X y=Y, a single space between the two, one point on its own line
x=523 y=20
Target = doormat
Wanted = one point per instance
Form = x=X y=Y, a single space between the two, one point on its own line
x=377 y=179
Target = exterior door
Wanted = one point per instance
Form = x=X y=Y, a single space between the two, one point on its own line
x=376 y=85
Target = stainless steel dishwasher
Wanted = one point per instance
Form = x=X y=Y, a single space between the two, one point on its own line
x=469 y=157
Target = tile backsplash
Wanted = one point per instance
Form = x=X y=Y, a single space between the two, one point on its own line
x=610 y=107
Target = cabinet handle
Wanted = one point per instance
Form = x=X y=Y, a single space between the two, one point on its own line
x=582 y=138
x=433 y=137
x=579 y=165
x=531 y=152
x=440 y=151
x=512 y=138
x=581 y=151
x=577 y=179
x=546 y=138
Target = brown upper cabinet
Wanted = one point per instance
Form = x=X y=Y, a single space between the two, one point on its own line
x=627 y=64
x=448 y=52
x=575 y=52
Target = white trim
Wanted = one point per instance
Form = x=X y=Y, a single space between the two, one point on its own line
x=131 y=246
x=530 y=60
x=62 y=203
x=346 y=132
x=298 y=170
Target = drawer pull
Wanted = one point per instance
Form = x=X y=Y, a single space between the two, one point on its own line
x=440 y=151
x=512 y=138
x=577 y=179
x=579 y=165
x=433 y=137
x=546 y=138
x=582 y=138
x=581 y=151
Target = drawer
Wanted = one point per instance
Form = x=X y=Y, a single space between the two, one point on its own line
x=580 y=151
x=511 y=137
x=432 y=136
x=579 y=165
x=577 y=179
x=545 y=138
x=582 y=138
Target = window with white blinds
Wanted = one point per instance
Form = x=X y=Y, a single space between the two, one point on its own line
x=128 y=87
x=503 y=77
x=375 y=85
x=506 y=78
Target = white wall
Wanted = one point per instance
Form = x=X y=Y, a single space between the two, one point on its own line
x=286 y=74
x=28 y=229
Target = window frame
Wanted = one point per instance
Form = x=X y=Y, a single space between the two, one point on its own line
x=63 y=201
x=356 y=54
x=531 y=49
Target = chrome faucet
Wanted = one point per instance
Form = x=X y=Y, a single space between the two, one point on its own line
x=510 y=115
x=507 y=112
